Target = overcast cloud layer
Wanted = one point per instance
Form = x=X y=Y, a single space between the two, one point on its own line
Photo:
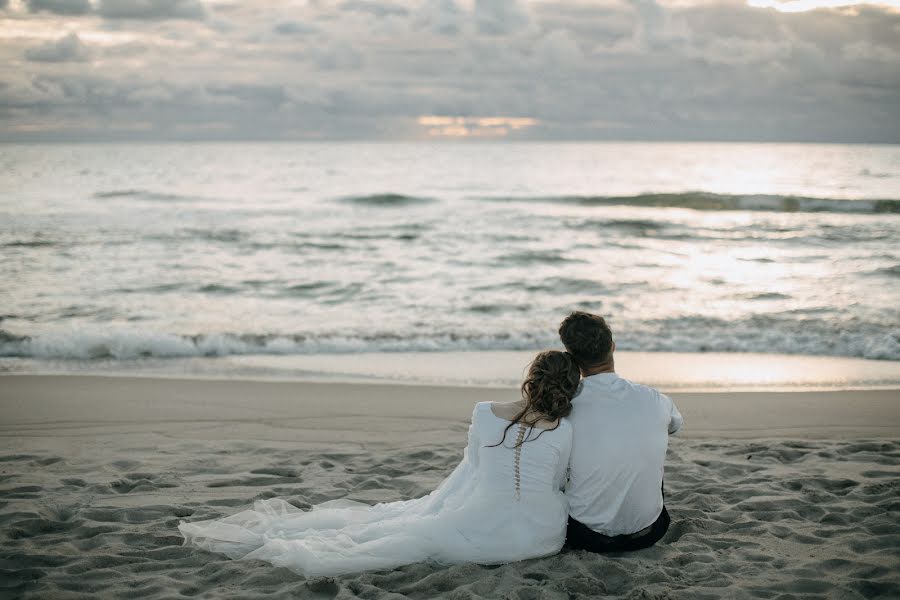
x=365 y=69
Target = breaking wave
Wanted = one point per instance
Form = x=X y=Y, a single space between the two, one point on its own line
x=690 y=334
x=386 y=200
x=711 y=201
x=148 y=195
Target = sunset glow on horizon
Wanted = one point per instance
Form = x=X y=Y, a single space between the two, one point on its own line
x=461 y=127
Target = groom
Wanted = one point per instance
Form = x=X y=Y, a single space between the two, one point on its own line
x=621 y=434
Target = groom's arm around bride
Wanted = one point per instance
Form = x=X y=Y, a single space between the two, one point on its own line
x=621 y=430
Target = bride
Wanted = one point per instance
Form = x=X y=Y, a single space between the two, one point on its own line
x=502 y=503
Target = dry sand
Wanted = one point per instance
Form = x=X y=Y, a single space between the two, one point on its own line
x=773 y=495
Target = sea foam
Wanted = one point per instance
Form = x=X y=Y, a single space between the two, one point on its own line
x=124 y=343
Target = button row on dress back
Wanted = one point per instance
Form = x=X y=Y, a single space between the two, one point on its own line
x=520 y=437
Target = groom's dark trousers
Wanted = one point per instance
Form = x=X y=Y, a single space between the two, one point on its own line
x=581 y=537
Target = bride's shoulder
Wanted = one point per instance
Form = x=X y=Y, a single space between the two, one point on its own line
x=480 y=409
x=498 y=407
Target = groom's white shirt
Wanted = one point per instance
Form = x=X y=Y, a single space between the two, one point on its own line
x=621 y=433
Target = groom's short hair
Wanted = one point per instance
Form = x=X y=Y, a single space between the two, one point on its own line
x=586 y=337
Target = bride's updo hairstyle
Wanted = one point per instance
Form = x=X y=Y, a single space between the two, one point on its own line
x=552 y=381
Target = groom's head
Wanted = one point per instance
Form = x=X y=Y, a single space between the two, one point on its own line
x=587 y=338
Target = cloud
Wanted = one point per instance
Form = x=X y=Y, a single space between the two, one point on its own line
x=651 y=20
x=501 y=17
x=68 y=48
x=443 y=17
x=594 y=23
x=338 y=56
x=259 y=96
x=571 y=69
x=151 y=9
x=806 y=5
x=60 y=7
x=379 y=9
x=293 y=28
x=560 y=48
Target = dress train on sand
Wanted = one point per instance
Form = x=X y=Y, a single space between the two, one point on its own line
x=498 y=505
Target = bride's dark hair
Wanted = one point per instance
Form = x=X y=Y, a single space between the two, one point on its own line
x=552 y=381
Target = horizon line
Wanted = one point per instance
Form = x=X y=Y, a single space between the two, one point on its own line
x=441 y=140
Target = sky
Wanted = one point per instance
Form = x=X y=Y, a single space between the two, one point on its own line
x=763 y=70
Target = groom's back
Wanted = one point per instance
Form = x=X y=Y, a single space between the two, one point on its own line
x=619 y=447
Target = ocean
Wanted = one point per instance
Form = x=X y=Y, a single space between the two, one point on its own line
x=115 y=254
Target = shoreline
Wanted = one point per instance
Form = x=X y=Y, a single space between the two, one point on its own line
x=46 y=402
x=671 y=371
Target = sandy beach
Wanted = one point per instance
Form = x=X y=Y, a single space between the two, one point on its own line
x=773 y=495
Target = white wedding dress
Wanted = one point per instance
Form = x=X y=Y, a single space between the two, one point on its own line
x=498 y=505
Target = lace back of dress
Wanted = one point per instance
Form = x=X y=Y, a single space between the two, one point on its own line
x=520 y=439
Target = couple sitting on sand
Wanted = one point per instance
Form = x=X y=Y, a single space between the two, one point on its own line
x=577 y=462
